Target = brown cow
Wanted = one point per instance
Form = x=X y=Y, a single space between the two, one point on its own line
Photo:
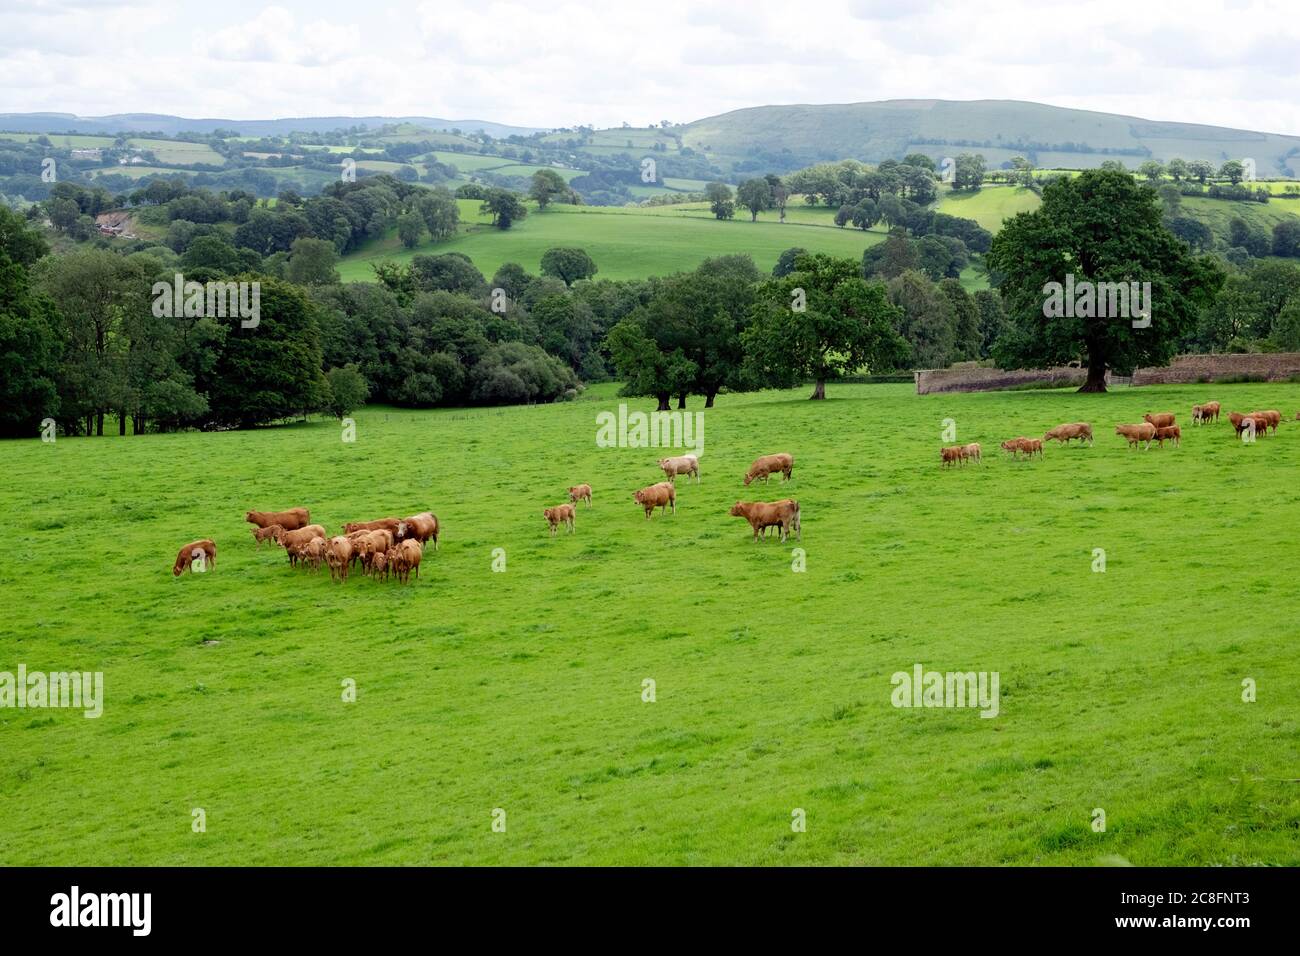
x=1169 y=433
x=1201 y=414
x=1069 y=431
x=270 y=531
x=1136 y=434
x=384 y=524
x=421 y=527
x=338 y=555
x=409 y=553
x=1159 y=419
x=1272 y=416
x=203 y=551
x=762 y=515
x=559 y=515
x=662 y=495
x=950 y=455
x=379 y=564
x=1028 y=446
x=580 y=493
x=768 y=464
x=681 y=465
x=972 y=451
x=371 y=543
x=290 y=520
x=294 y=542
x=313 y=553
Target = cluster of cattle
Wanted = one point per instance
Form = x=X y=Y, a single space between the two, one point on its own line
x=394 y=547
x=761 y=515
x=1156 y=427
x=388 y=547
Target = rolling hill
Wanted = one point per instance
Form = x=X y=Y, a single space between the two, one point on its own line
x=1000 y=129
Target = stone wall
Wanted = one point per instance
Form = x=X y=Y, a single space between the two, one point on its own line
x=1267 y=366
x=975 y=378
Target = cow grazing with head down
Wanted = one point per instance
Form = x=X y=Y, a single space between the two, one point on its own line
x=972 y=452
x=580 y=493
x=766 y=465
x=203 y=552
x=662 y=495
x=762 y=515
x=270 y=532
x=1028 y=446
x=1270 y=415
x=290 y=520
x=559 y=515
x=1070 y=431
x=681 y=465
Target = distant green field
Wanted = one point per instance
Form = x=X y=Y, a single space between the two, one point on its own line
x=171 y=152
x=988 y=206
x=625 y=244
x=523 y=690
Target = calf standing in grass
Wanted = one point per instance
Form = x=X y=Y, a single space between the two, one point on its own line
x=338 y=555
x=951 y=455
x=409 y=553
x=1169 y=433
x=271 y=532
x=971 y=452
x=662 y=495
x=681 y=465
x=203 y=551
x=559 y=515
x=1203 y=414
x=580 y=493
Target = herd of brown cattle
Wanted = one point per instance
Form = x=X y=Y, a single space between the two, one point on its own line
x=394 y=547
x=761 y=515
x=1155 y=427
x=388 y=547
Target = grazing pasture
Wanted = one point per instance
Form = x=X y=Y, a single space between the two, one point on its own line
x=522 y=689
x=625 y=243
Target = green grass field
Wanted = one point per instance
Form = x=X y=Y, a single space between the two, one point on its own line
x=523 y=690
x=989 y=206
x=626 y=243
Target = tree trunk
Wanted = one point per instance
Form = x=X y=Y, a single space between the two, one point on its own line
x=121 y=423
x=1096 y=376
x=681 y=401
x=99 y=424
x=663 y=402
x=819 y=391
x=708 y=399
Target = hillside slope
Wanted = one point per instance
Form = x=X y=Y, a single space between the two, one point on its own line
x=1052 y=136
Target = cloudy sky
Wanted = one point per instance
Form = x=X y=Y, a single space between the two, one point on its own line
x=565 y=62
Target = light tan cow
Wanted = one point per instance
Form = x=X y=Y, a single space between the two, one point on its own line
x=560 y=515
x=681 y=465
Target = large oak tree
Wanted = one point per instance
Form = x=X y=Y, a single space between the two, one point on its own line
x=1099 y=227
